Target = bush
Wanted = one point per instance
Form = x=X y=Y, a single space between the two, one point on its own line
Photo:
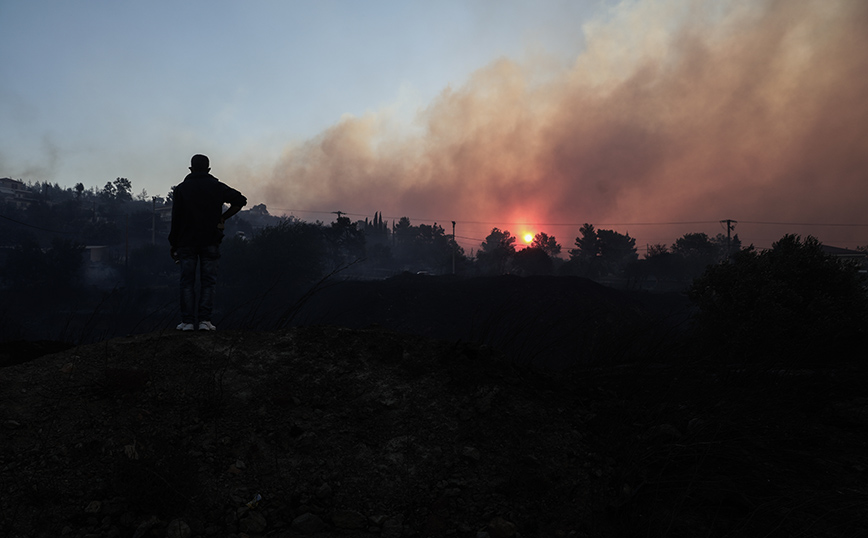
x=289 y=254
x=262 y=277
x=793 y=303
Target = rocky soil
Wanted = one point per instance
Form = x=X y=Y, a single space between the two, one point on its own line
x=325 y=431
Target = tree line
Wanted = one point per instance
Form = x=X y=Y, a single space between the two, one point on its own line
x=606 y=254
x=43 y=241
x=59 y=218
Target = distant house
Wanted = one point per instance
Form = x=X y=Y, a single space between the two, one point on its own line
x=11 y=186
x=12 y=190
x=846 y=254
x=165 y=213
x=96 y=253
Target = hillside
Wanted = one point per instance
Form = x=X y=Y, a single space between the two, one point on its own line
x=368 y=432
x=540 y=321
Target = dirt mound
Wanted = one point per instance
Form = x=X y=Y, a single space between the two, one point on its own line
x=341 y=432
x=19 y=351
x=546 y=322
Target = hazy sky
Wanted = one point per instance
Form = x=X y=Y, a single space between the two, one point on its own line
x=650 y=117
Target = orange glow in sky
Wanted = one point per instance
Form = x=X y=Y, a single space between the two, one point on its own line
x=639 y=139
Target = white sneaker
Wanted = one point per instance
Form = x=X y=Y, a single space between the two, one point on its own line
x=206 y=326
x=185 y=327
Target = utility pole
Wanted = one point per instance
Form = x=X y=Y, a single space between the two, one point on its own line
x=154 y=220
x=730 y=226
x=453 y=247
x=127 y=250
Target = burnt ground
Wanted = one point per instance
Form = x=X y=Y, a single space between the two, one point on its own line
x=385 y=433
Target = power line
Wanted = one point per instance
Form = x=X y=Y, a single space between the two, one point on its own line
x=580 y=224
x=501 y=223
x=576 y=225
x=803 y=224
x=34 y=227
x=318 y=211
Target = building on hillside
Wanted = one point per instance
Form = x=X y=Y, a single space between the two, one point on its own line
x=12 y=190
x=96 y=253
x=846 y=254
x=9 y=186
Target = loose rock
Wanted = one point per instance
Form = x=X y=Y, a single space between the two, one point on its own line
x=252 y=523
x=348 y=519
x=307 y=524
x=501 y=528
x=178 y=528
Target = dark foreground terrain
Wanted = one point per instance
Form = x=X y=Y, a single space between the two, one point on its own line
x=426 y=407
x=345 y=432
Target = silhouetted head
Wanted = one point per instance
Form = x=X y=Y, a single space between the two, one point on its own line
x=199 y=163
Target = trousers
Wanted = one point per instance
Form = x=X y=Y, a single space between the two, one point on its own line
x=201 y=262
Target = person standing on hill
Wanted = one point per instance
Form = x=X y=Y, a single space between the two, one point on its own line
x=195 y=236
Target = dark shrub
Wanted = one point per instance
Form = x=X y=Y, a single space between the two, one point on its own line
x=793 y=303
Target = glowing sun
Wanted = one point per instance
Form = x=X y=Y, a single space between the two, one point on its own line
x=528 y=237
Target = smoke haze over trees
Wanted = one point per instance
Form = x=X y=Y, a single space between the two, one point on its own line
x=675 y=111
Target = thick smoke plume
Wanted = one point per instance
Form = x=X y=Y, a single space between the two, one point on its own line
x=674 y=111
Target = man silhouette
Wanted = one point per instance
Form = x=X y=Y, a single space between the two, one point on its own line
x=197 y=230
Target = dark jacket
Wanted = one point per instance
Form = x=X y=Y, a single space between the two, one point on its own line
x=197 y=206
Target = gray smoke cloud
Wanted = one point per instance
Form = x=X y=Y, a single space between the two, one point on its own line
x=675 y=111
